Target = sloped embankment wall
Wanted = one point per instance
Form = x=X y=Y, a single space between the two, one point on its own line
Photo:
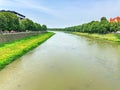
x=15 y=36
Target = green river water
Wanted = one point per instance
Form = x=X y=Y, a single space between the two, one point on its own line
x=65 y=62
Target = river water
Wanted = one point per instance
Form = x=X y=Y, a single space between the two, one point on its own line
x=65 y=62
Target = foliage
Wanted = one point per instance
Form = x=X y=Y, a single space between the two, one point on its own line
x=37 y=27
x=10 y=21
x=44 y=27
x=10 y=52
x=110 y=37
x=103 y=19
x=2 y=21
x=56 y=29
x=26 y=24
x=102 y=27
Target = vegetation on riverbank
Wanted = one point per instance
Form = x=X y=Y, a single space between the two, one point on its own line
x=12 y=51
x=10 y=21
x=101 y=27
x=110 y=37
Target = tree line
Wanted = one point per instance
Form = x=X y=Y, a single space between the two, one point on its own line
x=10 y=21
x=102 y=27
x=56 y=29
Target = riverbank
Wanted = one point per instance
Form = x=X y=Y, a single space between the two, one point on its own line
x=12 y=51
x=10 y=37
x=110 y=37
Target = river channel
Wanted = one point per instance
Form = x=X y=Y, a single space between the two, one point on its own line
x=65 y=62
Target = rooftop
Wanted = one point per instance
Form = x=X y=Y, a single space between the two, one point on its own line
x=18 y=14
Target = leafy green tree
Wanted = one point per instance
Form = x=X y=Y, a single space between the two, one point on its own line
x=114 y=26
x=37 y=27
x=12 y=21
x=2 y=22
x=9 y=21
x=22 y=25
x=104 y=19
x=27 y=24
x=44 y=27
x=102 y=27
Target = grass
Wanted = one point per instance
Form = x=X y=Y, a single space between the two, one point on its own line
x=11 y=51
x=110 y=37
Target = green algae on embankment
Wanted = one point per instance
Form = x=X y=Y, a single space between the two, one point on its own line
x=110 y=37
x=12 y=51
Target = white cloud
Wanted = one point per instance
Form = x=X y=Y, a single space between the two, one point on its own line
x=33 y=5
x=1 y=2
x=27 y=4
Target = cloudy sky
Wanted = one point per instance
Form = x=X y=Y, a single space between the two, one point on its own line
x=63 y=13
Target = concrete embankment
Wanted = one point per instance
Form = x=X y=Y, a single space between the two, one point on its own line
x=16 y=36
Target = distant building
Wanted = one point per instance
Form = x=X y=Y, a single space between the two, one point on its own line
x=18 y=14
x=117 y=19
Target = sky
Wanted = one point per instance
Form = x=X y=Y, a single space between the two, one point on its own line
x=63 y=13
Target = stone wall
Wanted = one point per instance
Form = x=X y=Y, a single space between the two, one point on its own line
x=9 y=37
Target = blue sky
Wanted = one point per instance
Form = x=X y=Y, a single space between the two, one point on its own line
x=63 y=13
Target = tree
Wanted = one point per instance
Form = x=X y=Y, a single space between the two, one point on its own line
x=114 y=27
x=37 y=27
x=27 y=24
x=9 y=21
x=2 y=22
x=104 y=19
x=101 y=27
x=22 y=25
x=44 y=27
x=12 y=21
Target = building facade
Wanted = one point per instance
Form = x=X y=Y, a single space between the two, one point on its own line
x=116 y=19
x=18 y=14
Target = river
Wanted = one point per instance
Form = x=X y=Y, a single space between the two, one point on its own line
x=65 y=62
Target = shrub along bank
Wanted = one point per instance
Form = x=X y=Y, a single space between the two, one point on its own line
x=10 y=52
x=110 y=37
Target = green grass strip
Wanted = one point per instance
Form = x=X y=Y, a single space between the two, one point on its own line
x=12 y=51
x=110 y=37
